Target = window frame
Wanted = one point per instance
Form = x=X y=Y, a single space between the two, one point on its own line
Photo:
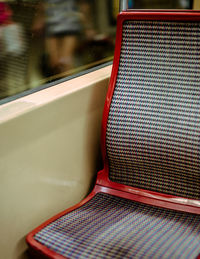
x=54 y=83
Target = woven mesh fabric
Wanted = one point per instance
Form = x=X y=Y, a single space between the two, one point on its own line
x=113 y=227
x=153 y=130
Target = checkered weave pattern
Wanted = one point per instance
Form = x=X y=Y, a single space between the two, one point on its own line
x=153 y=130
x=113 y=227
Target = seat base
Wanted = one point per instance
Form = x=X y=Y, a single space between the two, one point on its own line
x=110 y=226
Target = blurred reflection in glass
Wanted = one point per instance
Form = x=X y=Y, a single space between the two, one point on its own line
x=43 y=40
x=5 y=15
x=61 y=21
x=12 y=49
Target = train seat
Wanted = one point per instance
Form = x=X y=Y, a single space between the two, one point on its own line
x=146 y=200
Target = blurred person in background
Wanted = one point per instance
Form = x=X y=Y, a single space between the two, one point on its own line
x=60 y=20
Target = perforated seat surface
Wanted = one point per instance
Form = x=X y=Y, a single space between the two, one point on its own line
x=114 y=227
x=153 y=128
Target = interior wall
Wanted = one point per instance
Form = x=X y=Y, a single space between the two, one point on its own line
x=49 y=153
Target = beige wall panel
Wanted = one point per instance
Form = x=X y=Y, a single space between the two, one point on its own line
x=50 y=145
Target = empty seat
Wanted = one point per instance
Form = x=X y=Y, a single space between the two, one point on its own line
x=146 y=201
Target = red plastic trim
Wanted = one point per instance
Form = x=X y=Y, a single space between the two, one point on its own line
x=161 y=11
x=150 y=197
x=103 y=176
x=174 y=15
x=111 y=87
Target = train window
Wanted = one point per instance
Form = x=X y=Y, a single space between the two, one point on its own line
x=43 y=41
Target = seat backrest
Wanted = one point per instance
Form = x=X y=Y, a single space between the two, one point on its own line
x=153 y=125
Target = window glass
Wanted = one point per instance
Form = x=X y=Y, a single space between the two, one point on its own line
x=45 y=40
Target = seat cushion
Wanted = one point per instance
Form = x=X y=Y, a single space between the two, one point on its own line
x=153 y=130
x=112 y=227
